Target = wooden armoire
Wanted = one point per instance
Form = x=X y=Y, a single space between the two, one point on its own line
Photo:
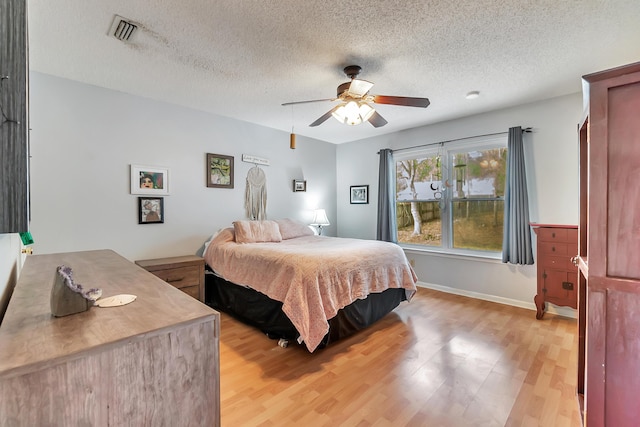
x=609 y=249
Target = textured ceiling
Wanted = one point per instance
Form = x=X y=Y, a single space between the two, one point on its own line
x=244 y=58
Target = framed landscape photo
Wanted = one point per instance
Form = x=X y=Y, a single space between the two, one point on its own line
x=152 y=180
x=219 y=171
x=359 y=194
x=299 y=185
x=150 y=210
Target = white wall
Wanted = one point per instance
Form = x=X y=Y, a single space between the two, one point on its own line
x=84 y=139
x=552 y=169
x=10 y=264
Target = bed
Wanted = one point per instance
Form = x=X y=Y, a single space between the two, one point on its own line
x=282 y=278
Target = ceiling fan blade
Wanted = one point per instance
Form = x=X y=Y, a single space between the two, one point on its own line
x=324 y=117
x=359 y=88
x=401 y=100
x=307 y=102
x=377 y=120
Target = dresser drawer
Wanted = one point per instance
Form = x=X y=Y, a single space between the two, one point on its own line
x=557 y=262
x=552 y=234
x=557 y=249
x=562 y=235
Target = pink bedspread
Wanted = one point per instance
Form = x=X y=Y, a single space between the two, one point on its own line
x=313 y=276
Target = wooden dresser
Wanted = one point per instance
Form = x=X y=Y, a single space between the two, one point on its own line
x=184 y=272
x=557 y=275
x=154 y=361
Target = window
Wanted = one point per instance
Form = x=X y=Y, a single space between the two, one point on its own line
x=451 y=197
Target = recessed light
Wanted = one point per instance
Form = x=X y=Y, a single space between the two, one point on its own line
x=473 y=94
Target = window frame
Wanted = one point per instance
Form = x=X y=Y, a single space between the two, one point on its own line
x=447 y=151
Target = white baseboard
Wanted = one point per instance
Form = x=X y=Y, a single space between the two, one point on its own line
x=560 y=311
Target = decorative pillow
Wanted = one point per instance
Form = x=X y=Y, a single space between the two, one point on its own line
x=290 y=228
x=256 y=231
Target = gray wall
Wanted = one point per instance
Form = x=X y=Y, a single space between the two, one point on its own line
x=552 y=169
x=84 y=139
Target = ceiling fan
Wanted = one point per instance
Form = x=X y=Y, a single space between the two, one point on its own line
x=354 y=100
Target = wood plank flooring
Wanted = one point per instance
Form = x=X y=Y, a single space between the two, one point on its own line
x=441 y=360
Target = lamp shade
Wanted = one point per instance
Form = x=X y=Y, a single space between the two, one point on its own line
x=353 y=113
x=320 y=218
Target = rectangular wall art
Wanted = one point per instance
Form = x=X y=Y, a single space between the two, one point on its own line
x=150 y=210
x=219 y=171
x=149 y=180
x=359 y=194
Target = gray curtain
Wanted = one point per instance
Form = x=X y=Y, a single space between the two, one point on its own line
x=387 y=229
x=516 y=241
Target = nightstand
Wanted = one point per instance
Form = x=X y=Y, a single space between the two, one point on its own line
x=184 y=272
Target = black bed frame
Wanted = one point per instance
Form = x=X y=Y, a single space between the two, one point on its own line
x=258 y=310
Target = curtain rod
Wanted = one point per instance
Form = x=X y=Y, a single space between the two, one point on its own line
x=524 y=130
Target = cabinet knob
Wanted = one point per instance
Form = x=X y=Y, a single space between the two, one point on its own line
x=553 y=248
x=553 y=235
x=574 y=260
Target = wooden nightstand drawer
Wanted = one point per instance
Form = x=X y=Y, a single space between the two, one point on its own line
x=194 y=291
x=180 y=277
x=184 y=272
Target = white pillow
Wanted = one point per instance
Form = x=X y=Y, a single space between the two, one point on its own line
x=256 y=231
x=290 y=228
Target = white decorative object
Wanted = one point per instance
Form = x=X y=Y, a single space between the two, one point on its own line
x=255 y=160
x=115 y=301
x=255 y=194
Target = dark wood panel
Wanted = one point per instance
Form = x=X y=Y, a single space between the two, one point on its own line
x=623 y=350
x=14 y=158
x=610 y=344
x=623 y=242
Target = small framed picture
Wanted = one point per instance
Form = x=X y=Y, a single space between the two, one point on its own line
x=150 y=210
x=359 y=194
x=299 y=185
x=152 y=180
x=219 y=171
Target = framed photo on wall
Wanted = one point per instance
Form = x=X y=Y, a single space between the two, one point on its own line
x=150 y=210
x=359 y=194
x=219 y=171
x=152 y=180
x=299 y=185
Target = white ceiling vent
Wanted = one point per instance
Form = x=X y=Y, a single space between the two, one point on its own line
x=122 y=28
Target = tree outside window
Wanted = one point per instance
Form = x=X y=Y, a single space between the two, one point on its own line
x=452 y=198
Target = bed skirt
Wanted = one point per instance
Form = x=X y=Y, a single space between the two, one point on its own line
x=260 y=311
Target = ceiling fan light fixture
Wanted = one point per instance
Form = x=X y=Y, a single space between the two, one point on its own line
x=366 y=111
x=353 y=113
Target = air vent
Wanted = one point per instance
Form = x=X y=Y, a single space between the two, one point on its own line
x=122 y=28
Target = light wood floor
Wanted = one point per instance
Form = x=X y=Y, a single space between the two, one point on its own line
x=441 y=360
